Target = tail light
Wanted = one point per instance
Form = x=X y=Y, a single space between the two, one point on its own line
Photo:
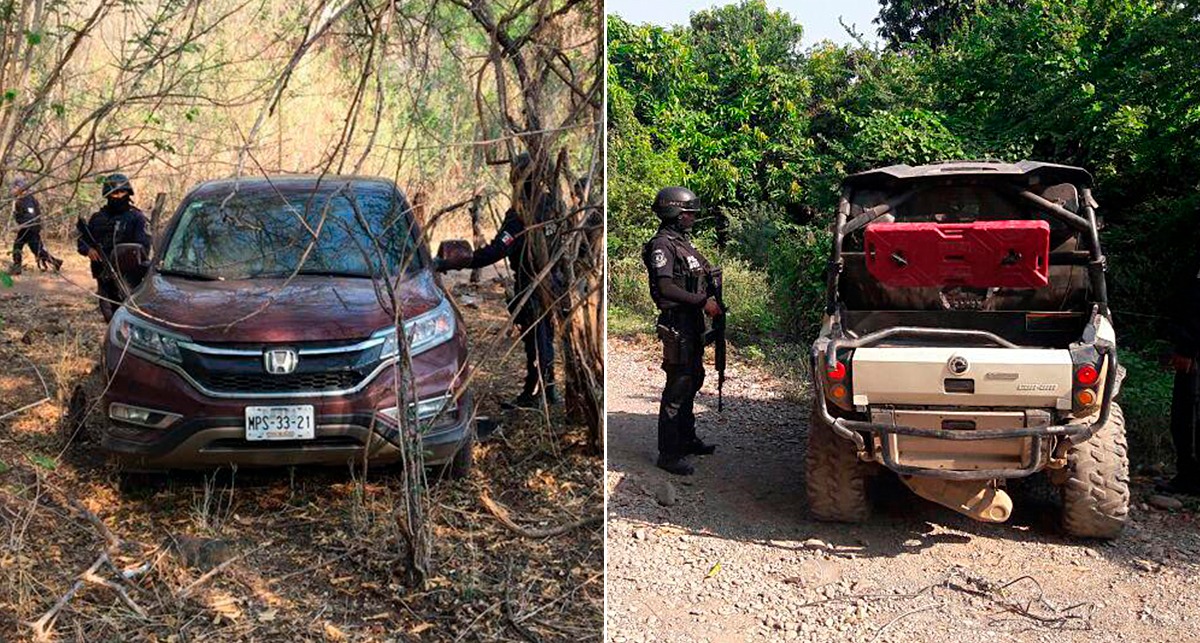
x=837 y=381
x=1084 y=389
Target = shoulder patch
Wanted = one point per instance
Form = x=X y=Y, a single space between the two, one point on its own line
x=659 y=258
x=506 y=238
x=693 y=262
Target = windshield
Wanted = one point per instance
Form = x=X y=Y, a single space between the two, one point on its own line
x=263 y=234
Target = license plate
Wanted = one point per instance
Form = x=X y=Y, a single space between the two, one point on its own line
x=279 y=423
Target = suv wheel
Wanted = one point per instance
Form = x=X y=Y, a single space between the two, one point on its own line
x=140 y=484
x=1095 y=490
x=460 y=466
x=836 y=479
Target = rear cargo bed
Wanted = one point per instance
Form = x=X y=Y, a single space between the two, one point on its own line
x=1035 y=330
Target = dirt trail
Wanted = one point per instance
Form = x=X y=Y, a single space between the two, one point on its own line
x=316 y=549
x=737 y=557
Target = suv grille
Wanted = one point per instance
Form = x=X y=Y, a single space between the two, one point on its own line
x=342 y=367
x=304 y=382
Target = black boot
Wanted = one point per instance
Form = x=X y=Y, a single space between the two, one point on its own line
x=698 y=447
x=15 y=268
x=1183 y=483
x=675 y=464
x=525 y=401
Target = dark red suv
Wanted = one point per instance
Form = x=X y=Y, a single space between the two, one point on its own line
x=264 y=334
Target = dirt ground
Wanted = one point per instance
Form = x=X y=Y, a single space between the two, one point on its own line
x=287 y=555
x=731 y=554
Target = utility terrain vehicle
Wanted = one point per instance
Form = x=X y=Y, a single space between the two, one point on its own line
x=967 y=341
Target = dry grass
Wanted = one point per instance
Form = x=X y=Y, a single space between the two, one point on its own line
x=301 y=555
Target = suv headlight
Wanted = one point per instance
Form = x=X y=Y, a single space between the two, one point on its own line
x=423 y=332
x=125 y=329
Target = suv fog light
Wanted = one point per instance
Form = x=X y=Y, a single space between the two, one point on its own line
x=430 y=408
x=432 y=413
x=142 y=416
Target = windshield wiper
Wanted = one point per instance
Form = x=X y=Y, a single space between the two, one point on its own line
x=183 y=274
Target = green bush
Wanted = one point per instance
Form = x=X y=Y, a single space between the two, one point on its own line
x=1152 y=253
x=750 y=299
x=798 y=268
x=1146 y=400
x=794 y=258
x=628 y=288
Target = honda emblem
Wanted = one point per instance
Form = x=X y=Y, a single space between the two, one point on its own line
x=281 y=361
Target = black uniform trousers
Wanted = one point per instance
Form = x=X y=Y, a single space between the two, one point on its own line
x=111 y=296
x=683 y=362
x=539 y=356
x=31 y=237
x=1184 y=422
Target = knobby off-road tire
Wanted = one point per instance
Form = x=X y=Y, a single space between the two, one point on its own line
x=836 y=479
x=1095 y=490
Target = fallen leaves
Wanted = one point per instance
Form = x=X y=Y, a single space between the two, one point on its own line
x=334 y=633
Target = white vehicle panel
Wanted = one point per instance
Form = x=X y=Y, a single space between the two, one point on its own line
x=1004 y=377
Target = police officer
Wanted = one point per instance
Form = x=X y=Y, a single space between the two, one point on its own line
x=1184 y=426
x=27 y=213
x=118 y=221
x=677 y=285
x=512 y=241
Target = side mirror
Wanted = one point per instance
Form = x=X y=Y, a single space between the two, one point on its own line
x=455 y=253
x=131 y=262
x=129 y=257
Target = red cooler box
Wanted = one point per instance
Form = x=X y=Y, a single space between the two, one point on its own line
x=984 y=254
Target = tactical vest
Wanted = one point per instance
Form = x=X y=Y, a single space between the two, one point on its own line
x=687 y=272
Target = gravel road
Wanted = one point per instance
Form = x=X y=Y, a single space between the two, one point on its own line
x=731 y=554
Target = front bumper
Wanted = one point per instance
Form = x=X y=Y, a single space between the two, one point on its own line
x=211 y=431
x=213 y=442
x=1043 y=437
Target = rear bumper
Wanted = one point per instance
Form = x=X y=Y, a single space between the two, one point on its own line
x=1041 y=438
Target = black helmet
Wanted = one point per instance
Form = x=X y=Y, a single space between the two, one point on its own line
x=670 y=202
x=116 y=183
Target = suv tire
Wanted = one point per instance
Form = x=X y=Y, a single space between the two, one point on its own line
x=1095 y=490
x=835 y=478
x=462 y=463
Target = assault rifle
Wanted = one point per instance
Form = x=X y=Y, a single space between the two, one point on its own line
x=716 y=335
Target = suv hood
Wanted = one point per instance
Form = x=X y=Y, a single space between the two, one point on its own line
x=309 y=308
